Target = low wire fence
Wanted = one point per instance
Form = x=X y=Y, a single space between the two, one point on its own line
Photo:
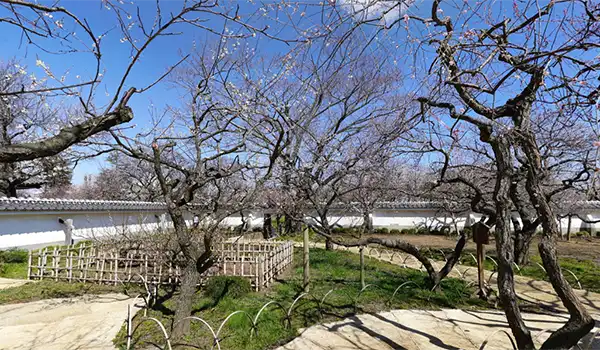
x=407 y=260
x=289 y=311
x=259 y=261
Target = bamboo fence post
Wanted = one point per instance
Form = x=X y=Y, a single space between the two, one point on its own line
x=257 y=279
x=145 y=274
x=262 y=271
x=29 y=258
x=102 y=263
x=116 y=267
x=242 y=267
x=80 y=261
x=43 y=264
x=154 y=269
x=85 y=264
x=70 y=265
x=54 y=264
x=235 y=262
x=160 y=268
x=170 y=271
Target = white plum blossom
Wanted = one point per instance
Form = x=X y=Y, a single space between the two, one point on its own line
x=387 y=11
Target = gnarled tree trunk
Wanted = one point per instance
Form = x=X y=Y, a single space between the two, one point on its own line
x=580 y=322
x=505 y=245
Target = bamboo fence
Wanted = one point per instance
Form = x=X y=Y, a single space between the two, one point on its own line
x=259 y=261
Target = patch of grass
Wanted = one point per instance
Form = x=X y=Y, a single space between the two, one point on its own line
x=586 y=271
x=13 y=270
x=330 y=270
x=13 y=263
x=222 y=286
x=14 y=255
x=50 y=289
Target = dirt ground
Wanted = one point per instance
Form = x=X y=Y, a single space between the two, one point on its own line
x=422 y=329
x=89 y=322
x=578 y=248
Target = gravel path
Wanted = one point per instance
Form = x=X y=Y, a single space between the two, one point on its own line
x=420 y=329
x=89 y=322
x=9 y=282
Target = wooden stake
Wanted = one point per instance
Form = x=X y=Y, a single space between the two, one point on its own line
x=306 y=273
x=362 y=266
x=481 y=271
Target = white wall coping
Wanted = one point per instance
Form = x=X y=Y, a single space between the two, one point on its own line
x=29 y=204
x=57 y=204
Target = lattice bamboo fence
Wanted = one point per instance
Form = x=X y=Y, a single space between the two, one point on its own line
x=259 y=261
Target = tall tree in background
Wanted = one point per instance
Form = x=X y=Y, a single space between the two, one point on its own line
x=124 y=179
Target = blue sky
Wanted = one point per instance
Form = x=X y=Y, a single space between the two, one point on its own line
x=162 y=53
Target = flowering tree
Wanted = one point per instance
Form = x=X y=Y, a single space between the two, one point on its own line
x=508 y=76
x=467 y=174
x=205 y=159
x=22 y=118
x=523 y=65
x=335 y=119
x=97 y=105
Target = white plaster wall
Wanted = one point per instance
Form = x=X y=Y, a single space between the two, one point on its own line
x=18 y=229
x=254 y=219
x=345 y=221
x=34 y=228
x=29 y=228
x=409 y=218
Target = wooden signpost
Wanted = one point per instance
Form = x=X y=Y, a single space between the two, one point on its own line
x=481 y=236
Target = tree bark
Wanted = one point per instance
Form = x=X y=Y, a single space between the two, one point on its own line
x=580 y=322
x=523 y=233
x=68 y=136
x=434 y=276
x=367 y=222
x=328 y=244
x=189 y=280
x=505 y=245
x=267 y=227
x=197 y=260
x=291 y=226
x=523 y=241
x=11 y=190
x=279 y=224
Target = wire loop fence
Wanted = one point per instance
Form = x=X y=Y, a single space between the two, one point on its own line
x=288 y=314
x=394 y=256
x=317 y=301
